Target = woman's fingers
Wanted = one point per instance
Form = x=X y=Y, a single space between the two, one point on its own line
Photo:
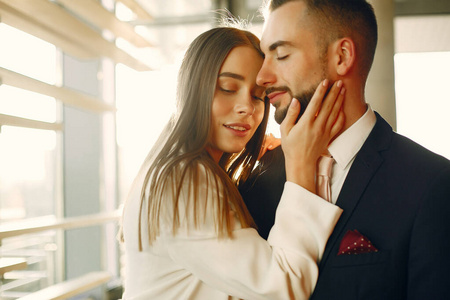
x=316 y=101
x=303 y=142
x=322 y=112
x=327 y=110
x=291 y=117
x=338 y=124
x=270 y=143
x=336 y=112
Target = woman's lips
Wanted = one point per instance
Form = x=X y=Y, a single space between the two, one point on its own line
x=238 y=129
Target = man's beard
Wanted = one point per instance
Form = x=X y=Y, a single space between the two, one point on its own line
x=303 y=98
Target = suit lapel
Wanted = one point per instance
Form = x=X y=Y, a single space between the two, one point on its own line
x=364 y=167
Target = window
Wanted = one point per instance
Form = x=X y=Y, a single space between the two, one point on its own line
x=30 y=182
x=28 y=157
x=422 y=64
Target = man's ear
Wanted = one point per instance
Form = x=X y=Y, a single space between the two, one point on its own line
x=344 y=53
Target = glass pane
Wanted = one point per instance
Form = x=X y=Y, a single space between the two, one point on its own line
x=40 y=251
x=27 y=156
x=16 y=56
x=26 y=104
x=29 y=160
x=423 y=98
x=27 y=173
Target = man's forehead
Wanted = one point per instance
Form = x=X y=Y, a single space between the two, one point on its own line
x=282 y=24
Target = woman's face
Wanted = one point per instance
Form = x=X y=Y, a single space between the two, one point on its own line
x=238 y=104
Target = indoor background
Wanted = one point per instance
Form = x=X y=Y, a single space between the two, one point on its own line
x=85 y=88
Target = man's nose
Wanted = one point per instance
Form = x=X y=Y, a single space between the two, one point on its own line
x=266 y=77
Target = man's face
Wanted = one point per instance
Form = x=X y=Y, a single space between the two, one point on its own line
x=293 y=65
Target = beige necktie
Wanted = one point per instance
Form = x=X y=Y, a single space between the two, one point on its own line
x=323 y=188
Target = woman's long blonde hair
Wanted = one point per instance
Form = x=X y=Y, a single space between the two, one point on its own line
x=186 y=136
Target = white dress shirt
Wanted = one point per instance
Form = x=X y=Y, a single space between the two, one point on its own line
x=345 y=147
x=196 y=264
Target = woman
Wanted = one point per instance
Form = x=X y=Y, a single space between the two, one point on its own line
x=186 y=230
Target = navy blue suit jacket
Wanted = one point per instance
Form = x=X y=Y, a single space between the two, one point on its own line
x=397 y=194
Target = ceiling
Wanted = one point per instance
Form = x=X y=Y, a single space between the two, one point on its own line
x=422 y=25
x=163 y=9
x=421 y=7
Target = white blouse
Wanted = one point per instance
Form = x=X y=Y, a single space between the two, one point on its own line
x=196 y=264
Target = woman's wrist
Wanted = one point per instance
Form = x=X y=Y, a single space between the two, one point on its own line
x=302 y=174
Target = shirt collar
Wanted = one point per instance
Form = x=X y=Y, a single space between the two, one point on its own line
x=345 y=147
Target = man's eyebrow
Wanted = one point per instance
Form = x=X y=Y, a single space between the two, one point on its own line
x=232 y=75
x=279 y=44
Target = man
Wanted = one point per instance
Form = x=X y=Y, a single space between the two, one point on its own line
x=395 y=194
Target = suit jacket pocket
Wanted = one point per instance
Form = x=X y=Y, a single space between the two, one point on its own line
x=365 y=276
x=350 y=260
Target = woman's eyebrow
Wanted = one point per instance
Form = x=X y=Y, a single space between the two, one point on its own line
x=232 y=75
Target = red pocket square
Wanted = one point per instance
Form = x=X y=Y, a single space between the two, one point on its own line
x=355 y=243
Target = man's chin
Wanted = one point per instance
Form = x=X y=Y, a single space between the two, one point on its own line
x=280 y=114
x=303 y=99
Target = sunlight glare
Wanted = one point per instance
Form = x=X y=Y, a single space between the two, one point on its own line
x=423 y=98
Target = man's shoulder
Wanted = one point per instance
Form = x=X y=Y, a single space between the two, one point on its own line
x=393 y=145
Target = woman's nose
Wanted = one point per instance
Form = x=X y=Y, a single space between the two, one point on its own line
x=245 y=106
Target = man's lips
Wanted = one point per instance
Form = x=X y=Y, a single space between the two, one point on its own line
x=274 y=96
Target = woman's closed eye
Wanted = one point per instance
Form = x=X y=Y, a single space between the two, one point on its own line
x=227 y=91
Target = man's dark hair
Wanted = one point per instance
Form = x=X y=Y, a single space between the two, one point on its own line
x=335 y=19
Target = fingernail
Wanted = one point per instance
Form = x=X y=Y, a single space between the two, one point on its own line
x=325 y=82
x=294 y=103
x=339 y=83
